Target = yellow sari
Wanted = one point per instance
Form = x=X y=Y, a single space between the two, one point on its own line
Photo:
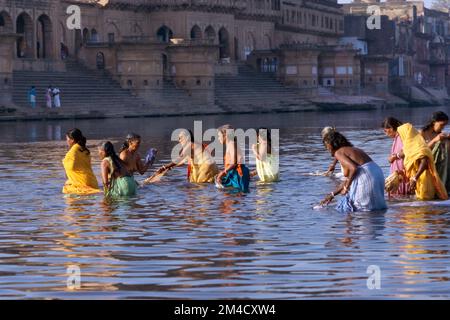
x=429 y=186
x=80 y=177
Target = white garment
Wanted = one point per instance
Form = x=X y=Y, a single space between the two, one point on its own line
x=56 y=98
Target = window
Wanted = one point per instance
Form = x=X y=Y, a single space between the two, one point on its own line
x=111 y=37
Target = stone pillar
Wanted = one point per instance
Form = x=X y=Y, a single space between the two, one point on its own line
x=140 y=69
x=7 y=42
x=298 y=67
x=192 y=65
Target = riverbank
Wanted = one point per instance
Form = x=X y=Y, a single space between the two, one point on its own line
x=321 y=103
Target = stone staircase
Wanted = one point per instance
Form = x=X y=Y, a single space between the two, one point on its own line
x=91 y=93
x=251 y=91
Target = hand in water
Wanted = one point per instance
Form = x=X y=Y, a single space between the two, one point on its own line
x=151 y=156
x=327 y=200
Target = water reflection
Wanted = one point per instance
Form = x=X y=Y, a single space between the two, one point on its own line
x=177 y=240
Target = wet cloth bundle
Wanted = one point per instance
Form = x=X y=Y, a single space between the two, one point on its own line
x=429 y=185
x=238 y=178
x=441 y=161
x=268 y=168
x=366 y=191
x=119 y=187
x=80 y=177
x=201 y=165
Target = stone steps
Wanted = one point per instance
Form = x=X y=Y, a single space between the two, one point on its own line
x=251 y=91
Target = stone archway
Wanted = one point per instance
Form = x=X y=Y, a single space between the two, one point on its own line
x=6 y=23
x=86 y=36
x=164 y=34
x=196 y=33
x=210 y=33
x=94 y=36
x=267 y=42
x=44 y=37
x=224 y=44
x=25 y=29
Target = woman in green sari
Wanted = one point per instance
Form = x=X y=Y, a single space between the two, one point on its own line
x=439 y=144
x=117 y=181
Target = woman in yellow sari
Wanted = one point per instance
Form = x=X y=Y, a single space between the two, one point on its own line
x=419 y=165
x=77 y=164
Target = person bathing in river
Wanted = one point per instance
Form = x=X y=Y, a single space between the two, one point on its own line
x=201 y=166
x=117 y=181
x=235 y=174
x=77 y=164
x=390 y=126
x=132 y=159
x=267 y=166
x=363 y=189
x=439 y=145
x=419 y=165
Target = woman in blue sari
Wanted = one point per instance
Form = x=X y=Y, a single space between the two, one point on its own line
x=235 y=174
x=363 y=189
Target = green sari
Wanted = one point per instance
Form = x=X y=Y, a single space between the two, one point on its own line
x=119 y=187
x=441 y=160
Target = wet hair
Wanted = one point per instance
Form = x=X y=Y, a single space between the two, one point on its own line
x=129 y=138
x=437 y=116
x=227 y=131
x=266 y=134
x=336 y=141
x=327 y=130
x=77 y=136
x=391 y=123
x=108 y=148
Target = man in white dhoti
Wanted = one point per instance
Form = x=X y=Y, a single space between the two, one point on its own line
x=57 y=97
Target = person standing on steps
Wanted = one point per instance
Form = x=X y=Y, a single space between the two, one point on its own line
x=48 y=97
x=57 y=97
x=32 y=97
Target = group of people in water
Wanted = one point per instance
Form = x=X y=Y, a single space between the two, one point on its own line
x=419 y=165
x=117 y=170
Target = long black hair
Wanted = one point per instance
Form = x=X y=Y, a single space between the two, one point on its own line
x=391 y=123
x=266 y=134
x=108 y=148
x=129 y=138
x=336 y=140
x=77 y=136
x=437 y=116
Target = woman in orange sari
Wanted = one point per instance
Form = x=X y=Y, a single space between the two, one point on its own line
x=419 y=165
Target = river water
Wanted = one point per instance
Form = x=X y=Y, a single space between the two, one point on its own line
x=176 y=240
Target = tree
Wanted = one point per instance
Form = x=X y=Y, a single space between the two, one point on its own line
x=441 y=5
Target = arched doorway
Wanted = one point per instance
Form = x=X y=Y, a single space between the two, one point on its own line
x=94 y=35
x=210 y=33
x=250 y=44
x=164 y=34
x=86 y=36
x=196 y=33
x=267 y=42
x=64 y=48
x=6 y=24
x=100 y=60
x=44 y=37
x=78 y=40
x=165 y=66
x=25 y=45
x=224 y=44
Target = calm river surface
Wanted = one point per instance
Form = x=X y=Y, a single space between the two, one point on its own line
x=176 y=240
